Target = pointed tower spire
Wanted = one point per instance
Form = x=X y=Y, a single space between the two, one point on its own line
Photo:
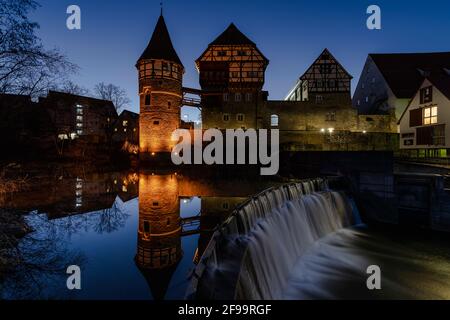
x=160 y=45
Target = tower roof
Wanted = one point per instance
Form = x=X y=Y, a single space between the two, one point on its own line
x=232 y=36
x=160 y=45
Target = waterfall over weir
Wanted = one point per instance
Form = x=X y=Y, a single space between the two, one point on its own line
x=254 y=252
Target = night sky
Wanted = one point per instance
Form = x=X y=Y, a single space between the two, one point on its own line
x=291 y=34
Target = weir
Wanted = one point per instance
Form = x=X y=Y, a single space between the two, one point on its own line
x=253 y=253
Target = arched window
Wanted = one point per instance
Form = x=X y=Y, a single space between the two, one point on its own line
x=274 y=120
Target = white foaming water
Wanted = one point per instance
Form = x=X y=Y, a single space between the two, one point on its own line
x=276 y=242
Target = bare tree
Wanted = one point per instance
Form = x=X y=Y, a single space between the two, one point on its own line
x=112 y=93
x=25 y=66
x=72 y=88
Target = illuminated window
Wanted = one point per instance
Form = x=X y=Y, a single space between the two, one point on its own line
x=79 y=125
x=125 y=123
x=430 y=115
x=79 y=118
x=79 y=132
x=274 y=120
x=63 y=137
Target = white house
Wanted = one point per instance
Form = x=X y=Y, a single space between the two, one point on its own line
x=425 y=123
x=389 y=81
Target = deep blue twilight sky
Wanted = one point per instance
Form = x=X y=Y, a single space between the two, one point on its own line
x=291 y=34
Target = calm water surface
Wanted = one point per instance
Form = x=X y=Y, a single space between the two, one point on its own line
x=139 y=235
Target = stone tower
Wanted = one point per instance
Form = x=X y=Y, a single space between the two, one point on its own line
x=159 y=232
x=160 y=91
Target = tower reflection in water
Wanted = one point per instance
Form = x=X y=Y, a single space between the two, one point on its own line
x=159 y=233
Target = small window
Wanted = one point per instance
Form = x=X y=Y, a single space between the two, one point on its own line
x=225 y=205
x=241 y=53
x=156 y=122
x=235 y=74
x=125 y=123
x=331 y=116
x=222 y=53
x=319 y=99
x=169 y=105
x=226 y=117
x=274 y=120
x=147 y=99
x=367 y=98
x=155 y=203
x=331 y=84
x=146 y=227
x=426 y=95
x=240 y=117
x=225 y=97
x=165 y=66
x=358 y=102
x=237 y=97
x=248 y=97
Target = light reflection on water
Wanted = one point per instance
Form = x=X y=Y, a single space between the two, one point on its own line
x=135 y=236
x=138 y=236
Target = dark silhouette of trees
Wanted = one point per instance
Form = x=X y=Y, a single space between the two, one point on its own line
x=26 y=67
x=112 y=93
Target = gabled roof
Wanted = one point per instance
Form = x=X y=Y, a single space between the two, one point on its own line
x=439 y=79
x=331 y=57
x=231 y=36
x=129 y=114
x=160 y=45
x=404 y=71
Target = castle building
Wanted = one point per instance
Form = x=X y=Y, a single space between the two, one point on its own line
x=316 y=115
x=160 y=91
x=159 y=234
x=325 y=79
x=232 y=71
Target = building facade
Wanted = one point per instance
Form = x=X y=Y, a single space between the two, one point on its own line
x=425 y=123
x=74 y=116
x=232 y=74
x=388 y=82
x=160 y=91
